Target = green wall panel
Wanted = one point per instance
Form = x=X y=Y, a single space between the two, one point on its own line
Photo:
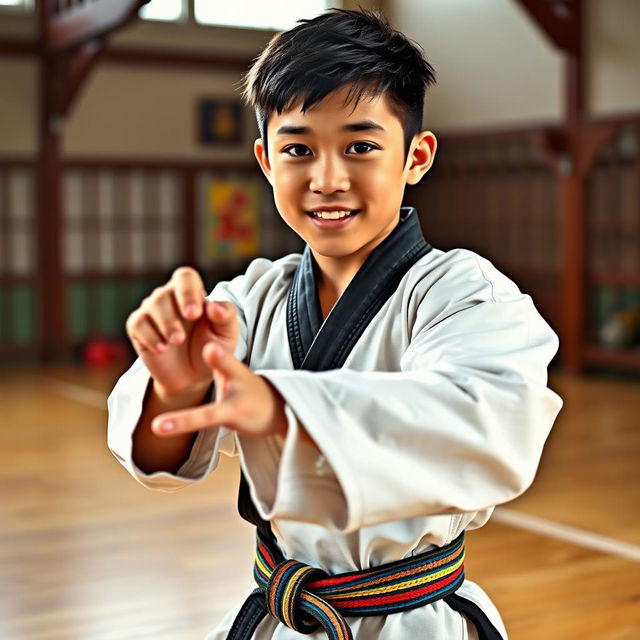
x=77 y=305
x=3 y=314
x=108 y=312
x=22 y=314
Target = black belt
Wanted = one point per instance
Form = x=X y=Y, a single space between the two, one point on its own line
x=305 y=599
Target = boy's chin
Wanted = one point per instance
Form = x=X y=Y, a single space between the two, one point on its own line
x=334 y=248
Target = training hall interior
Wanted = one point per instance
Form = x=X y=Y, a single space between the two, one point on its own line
x=126 y=152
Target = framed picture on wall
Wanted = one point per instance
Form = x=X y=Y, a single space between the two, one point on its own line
x=231 y=216
x=220 y=121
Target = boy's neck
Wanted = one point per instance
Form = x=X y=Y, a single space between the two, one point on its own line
x=335 y=274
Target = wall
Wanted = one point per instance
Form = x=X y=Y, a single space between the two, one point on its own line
x=18 y=82
x=139 y=110
x=614 y=57
x=494 y=69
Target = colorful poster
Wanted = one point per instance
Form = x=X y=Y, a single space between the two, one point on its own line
x=232 y=218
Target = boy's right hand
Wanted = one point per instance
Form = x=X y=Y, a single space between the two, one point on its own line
x=170 y=328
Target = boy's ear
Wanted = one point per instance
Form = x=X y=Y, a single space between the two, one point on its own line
x=421 y=157
x=261 y=156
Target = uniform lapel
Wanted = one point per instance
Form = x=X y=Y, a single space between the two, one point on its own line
x=319 y=346
x=304 y=315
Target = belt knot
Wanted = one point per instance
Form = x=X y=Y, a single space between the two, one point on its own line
x=303 y=597
x=286 y=598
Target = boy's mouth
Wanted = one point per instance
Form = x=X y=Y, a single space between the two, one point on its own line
x=332 y=215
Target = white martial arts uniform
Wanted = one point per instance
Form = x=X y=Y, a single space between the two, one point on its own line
x=440 y=412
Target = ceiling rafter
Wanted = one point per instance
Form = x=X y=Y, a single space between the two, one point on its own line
x=558 y=19
x=88 y=21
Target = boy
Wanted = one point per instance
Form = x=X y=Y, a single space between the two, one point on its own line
x=383 y=395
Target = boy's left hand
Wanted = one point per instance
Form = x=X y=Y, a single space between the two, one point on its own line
x=247 y=404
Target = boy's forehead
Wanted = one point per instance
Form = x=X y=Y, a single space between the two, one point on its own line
x=340 y=110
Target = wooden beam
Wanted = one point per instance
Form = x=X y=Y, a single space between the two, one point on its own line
x=552 y=144
x=189 y=215
x=593 y=138
x=561 y=21
x=174 y=57
x=52 y=296
x=74 y=68
x=573 y=208
x=557 y=20
x=88 y=21
x=574 y=276
x=143 y=56
x=70 y=42
x=18 y=47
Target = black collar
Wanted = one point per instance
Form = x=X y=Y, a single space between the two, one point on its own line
x=319 y=346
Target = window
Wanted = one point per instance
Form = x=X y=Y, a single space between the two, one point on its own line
x=258 y=14
x=169 y=10
x=16 y=5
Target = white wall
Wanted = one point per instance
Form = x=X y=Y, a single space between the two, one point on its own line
x=613 y=56
x=150 y=111
x=493 y=67
x=496 y=68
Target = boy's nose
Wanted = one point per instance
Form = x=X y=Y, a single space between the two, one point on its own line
x=329 y=175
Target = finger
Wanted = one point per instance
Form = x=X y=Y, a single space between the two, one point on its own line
x=174 y=423
x=143 y=333
x=221 y=385
x=223 y=316
x=219 y=360
x=189 y=291
x=161 y=308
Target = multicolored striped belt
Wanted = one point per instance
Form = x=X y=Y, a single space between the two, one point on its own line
x=305 y=598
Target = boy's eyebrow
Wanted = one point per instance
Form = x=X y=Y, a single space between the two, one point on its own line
x=364 y=125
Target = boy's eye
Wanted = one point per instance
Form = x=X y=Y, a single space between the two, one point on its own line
x=295 y=146
x=361 y=145
x=360 y=148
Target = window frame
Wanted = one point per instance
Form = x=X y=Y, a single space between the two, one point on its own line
x=25 y=7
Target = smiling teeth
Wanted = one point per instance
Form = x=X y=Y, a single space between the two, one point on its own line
x=330 y=215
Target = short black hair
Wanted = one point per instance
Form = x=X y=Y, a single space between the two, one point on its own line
x=337 y=48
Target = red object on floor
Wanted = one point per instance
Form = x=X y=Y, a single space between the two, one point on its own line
x=100 y=352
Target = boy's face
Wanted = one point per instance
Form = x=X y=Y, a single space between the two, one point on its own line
x=322 y=159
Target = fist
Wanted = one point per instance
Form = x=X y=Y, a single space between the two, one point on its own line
x=171 y=327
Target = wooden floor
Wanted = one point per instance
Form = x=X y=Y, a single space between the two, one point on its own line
x=88 y=554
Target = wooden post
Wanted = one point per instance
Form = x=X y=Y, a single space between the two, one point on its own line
x=573 y=201
x=561 y=21
x=189 y=214
x=49 y=214
x=70 y=43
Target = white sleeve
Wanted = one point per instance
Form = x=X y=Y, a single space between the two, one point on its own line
x=460 y=428
x=125 y=407
x=126 y=401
